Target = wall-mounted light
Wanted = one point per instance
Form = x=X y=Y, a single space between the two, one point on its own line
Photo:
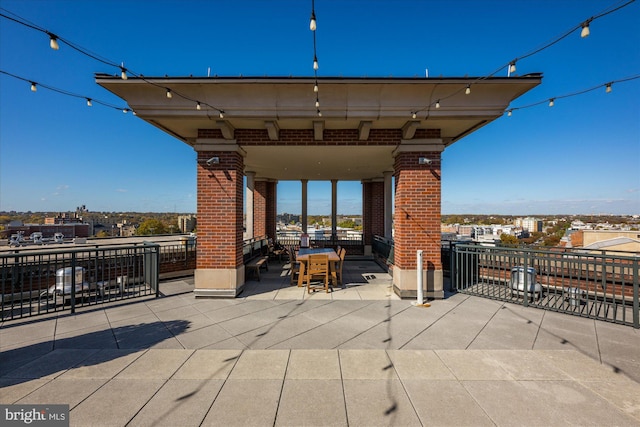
x=424 y=161
x=213 y=161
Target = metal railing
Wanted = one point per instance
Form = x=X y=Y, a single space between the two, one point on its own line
x=352 y=241
x=583 y=283
x=41 y=281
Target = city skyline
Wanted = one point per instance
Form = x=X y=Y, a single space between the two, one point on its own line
x=579 y=157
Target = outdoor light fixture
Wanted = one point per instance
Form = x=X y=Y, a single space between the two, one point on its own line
x=53 y=41
x=317 y=103
x=34 y=88
x=169 y=95
x=585 y=29
x=89 y=104
x=512 y=67
x=413 y=115
x=438 y=103
x=551 y=102
x=213 y=161
x=424 y=161
x=221 y=114
x=123 y=73
x=319 y=113
x=315 y=88
x=124 y=110
x=467 y=91
x=198 y=107
x=608 y=89
x=312 y=23
x=315 y=62
x=509 y=113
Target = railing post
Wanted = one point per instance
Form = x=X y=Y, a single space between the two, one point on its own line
x=636 y=297
x=525 y=300
x=73 y=283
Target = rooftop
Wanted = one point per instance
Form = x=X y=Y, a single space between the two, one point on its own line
x=357 y=356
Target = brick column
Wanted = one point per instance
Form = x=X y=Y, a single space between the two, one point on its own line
x=260 y=197
x=417 y=220
x=372 y=212
x=271 y=209
x=219 y=269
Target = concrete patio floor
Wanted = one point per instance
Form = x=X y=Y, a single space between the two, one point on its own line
x=357 y=356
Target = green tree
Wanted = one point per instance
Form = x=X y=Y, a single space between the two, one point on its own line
x=508 y=239
x=151 y=226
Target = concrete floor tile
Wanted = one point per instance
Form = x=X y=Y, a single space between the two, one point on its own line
x=580 y=366
x=52 y=364
x=14 y=358
x=14 y=389
x=419 y=365
x=115 y=403
x=473 y=365
x=78 y=322
x=544 y=403
x=245 y=403
x=202 y=337
x=208 y=364
x=277 y=332
x=624 y=395
x=445 y=403
x=378 y=403
x=261 y=364
x=366 y=365
x=103 y=364
x=64 y=391
x=313 y=365
x=526 y=365
x=155 y=364
x=311 y=403
x=13 y=333
x=179 y=403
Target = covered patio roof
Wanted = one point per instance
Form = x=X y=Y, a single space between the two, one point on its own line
x=273 y=104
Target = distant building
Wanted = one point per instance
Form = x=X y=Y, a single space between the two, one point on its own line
x=187 y=223
x=606 y=240
x=531 y=224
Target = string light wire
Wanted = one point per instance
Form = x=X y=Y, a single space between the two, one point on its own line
x=90 y=100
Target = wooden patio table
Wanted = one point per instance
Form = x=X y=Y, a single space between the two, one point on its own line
x=303 y=256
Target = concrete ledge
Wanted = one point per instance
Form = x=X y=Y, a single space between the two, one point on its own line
x=217 y=293
x=405 y=283
x=218 y=282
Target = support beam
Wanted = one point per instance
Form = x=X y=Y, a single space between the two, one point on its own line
x=251 y=177
x=409 y=129
x=334 y=209
x=318 y=129
x=388 y=205
x=363 y=130
x=226 y=129
x=303 y=220
x=272 y=129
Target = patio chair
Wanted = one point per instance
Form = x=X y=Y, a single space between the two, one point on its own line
x=342 y=252
x=316 y=275
x=294 y=268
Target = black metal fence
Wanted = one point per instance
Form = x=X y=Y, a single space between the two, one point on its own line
x=594 y=284
x=41 y=281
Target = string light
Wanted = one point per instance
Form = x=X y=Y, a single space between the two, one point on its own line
x=552 y=102
x=169 y=95
x=317 y=102
x=509 y=113
x=585 y=29
x=608 y=88
x=198 y=107
x=53 y=41
x=123 y=72
x=467 y=91
x=438 y=103
x=414 y=115
x=315 y=87
x=221 y=115
x=315 y=63
x=512 y=67
x=312 y=23
x=35 y=85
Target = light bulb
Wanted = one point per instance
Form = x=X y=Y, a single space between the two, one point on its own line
x=319 y=113
x=438 y=103
x=89 y=104
x=585 y=30
x=512 y=67
x=312 y=23
x=221 y=114
x=315 y=63
x=509 y=113
x=169 y=95
x=53 y=42
x=125 y=110
x=34 y=88
x=467 y=91
x=198 y=107
x=317 y=103
x=608 y=89
x=551 y=102
x=413 y=115
x=123 y=73
x=315 y=88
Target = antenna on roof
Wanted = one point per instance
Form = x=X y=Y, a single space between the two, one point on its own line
x=208 y=71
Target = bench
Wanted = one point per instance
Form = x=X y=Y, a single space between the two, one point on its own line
x=256 y=264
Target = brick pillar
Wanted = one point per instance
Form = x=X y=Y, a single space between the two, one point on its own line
x=260 y=197
x=372 y=212
x=417 y=223
x=271 y=209
x=219 y=270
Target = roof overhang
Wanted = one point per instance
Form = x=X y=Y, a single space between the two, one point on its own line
x=362 y=104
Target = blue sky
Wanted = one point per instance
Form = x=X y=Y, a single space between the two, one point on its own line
x=581 y=156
